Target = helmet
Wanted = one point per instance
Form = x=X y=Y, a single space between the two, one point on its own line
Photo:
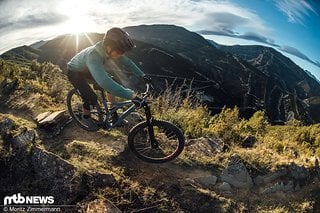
x=118 y=40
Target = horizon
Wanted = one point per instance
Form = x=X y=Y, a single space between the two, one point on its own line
x=288 y=26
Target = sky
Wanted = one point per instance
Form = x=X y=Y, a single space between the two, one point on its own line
x=290 y=26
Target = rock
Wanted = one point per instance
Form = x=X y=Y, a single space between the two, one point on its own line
x=236 y=174
x=5 y=132
x=249 y=141
x=41 y=116
x=299 y=173
x=206 y=181
x=205 y=145
x=47 y=164
x=8 y=86
x=52 y=122
x=225 y=187
x=6 y=126
x=259 y=180
x=59 y=178
x=96 y=180
x=23 y=141
x=278 y=187
x=49 y=118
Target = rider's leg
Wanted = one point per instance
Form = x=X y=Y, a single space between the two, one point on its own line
x=89 y=97
x=111 y=98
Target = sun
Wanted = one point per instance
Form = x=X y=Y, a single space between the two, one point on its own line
x=78 y=19
x=79 y=24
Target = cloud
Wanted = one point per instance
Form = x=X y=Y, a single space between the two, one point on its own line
x=295 y=10
x=252 y=36
x=236 y=22
x=296 y=52
x=31 y=20
x=17 y=15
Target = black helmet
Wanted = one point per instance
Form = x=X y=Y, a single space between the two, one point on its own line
x=118 y=40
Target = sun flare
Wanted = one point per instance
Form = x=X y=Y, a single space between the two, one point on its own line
x=78 y=21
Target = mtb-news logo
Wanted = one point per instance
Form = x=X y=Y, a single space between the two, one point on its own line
x=20 y=203
x=19 y=199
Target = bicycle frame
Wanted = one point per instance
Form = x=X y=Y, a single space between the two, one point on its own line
x=107 y=125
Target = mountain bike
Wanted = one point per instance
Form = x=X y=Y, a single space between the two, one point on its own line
x=154 y=141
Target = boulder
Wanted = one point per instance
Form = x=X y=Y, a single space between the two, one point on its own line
x=22 y=142
x=7 y=87
x=59 y=178
x=52 y=123
x=205 y=145
x=236 y=173
x=299 y=173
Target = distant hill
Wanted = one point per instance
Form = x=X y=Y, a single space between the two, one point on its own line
x=250 y=77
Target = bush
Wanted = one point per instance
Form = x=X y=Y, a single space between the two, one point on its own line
x=226 y=125
x=34 y=77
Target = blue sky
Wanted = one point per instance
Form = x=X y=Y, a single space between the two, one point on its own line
x=289 y=26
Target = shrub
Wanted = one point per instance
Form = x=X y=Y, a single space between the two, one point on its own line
x=226 y=125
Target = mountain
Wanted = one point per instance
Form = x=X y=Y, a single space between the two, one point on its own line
x=294 y=83
x=251 y=77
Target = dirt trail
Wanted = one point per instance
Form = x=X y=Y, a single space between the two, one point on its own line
x=136 y=168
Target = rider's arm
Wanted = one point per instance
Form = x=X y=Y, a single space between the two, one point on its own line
x=131 y=66
x=95 y=65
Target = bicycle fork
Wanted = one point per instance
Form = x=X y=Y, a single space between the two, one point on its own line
x=153 y=141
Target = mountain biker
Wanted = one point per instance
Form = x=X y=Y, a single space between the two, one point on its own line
x=96 y=63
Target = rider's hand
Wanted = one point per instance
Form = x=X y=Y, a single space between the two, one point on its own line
x=137 y=101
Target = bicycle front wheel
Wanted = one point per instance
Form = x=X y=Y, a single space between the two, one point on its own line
x=170 y=141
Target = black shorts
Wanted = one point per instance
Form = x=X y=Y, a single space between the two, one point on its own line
x=81 y=81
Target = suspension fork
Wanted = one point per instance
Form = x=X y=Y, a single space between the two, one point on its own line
x=153 y=141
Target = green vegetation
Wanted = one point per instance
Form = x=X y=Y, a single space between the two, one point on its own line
x=40 y=85
x=275 y=146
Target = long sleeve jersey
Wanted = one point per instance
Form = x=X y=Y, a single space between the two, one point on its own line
x=96 y=61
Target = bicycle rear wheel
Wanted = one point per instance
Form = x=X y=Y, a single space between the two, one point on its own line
x=169 y=138
x=75 y=108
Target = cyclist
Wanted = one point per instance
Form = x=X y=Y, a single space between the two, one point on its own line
x=97 y=63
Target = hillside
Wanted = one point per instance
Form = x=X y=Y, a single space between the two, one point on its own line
x=229 y=164
x=219 y=77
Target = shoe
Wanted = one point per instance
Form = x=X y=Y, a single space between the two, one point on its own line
x=115 y=117
x=90 y=123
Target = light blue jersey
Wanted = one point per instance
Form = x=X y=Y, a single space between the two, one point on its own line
x=98 y=63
